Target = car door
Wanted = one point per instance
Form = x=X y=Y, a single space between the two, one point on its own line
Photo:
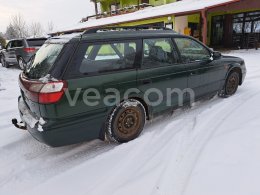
x=161 y=78
x=204 y=73
x=8 y=52
x=12 y=53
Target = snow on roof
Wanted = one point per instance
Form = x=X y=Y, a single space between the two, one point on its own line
x=64 y=38
x=180 y=7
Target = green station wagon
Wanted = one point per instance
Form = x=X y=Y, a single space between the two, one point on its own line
x=106 y=83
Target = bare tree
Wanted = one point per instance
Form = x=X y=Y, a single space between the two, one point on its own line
x=10 y=32
x=19 y=25
x=257 y=26
x=2 y=40
x=50 y=27
x=36 y=29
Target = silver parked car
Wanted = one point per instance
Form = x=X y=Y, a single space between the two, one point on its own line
x=19 y=51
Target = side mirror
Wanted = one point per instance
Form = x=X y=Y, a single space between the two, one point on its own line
x=216 y=55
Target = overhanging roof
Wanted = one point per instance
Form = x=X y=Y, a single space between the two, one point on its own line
x=176 y=8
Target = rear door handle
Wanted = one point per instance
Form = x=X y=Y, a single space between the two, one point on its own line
x=146 y=81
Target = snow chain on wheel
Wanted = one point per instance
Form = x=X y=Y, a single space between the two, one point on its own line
x=126 y=121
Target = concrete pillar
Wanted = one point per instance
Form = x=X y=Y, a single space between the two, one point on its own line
x=204 y=26
x=96 y=7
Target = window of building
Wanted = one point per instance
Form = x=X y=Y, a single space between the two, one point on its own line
x=114 y=7
x=159 y=52
x=246 y=22
x=191 y=50
x=108 y=57
x=145 y=1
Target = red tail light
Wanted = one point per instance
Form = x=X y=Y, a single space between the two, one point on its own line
x=29 y=49
x=44 y=93
x=52 y=92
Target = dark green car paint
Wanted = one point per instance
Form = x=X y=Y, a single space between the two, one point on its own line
x=67 y=124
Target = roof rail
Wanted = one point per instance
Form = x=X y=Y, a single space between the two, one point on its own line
x=121 y=28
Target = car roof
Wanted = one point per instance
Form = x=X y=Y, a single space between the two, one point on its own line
x=20 y=39
x=128 y=34
x=38 y=38
x=113 y=34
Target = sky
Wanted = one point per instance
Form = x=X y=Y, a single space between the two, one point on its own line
x=62 y=13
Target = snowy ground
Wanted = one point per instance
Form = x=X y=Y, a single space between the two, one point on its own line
x=210 y=149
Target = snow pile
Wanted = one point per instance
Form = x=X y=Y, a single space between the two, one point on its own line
x=168 y=9
x=211 y=149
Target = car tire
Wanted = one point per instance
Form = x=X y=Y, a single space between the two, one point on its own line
x=3 y=62
x=231 y=85
x=21 y=63
x=126 y=121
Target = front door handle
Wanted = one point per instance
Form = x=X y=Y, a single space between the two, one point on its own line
x=146 y=81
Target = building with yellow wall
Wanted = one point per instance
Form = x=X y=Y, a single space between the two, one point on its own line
x=218 y=23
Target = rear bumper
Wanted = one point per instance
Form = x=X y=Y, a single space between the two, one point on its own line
x=27 y=116
x=62 y=132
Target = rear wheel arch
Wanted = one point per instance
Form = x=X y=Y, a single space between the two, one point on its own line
x=147 y=110
x=18 y=57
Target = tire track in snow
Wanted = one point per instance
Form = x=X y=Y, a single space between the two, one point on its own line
x=46 y=163
x=167 y=135
x=189 y=147
x=200 y=144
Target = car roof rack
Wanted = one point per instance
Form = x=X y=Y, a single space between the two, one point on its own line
x=124 y=28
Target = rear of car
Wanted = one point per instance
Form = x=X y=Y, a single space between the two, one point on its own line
x=30 y=47
x=44 y=106
x=20 y=51
x=41 y=86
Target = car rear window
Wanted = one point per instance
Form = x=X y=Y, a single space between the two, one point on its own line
x=36 y=42
x=107 y=57
x=43 y=60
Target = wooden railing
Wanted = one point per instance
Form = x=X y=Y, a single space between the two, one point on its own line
x=246 y=41
x=119 y=11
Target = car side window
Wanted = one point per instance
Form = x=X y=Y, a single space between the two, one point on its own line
x=191 y=51
x=159 y=52
x=14 y=44
x=9 y=45
x=19 y=43
x=106 y=57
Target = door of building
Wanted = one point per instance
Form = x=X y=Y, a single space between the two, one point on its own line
x=217 y=33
